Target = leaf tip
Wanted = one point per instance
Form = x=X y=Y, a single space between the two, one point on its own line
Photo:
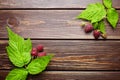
x=51 y=55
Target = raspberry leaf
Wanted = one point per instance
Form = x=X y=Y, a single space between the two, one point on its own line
x=107 y=3
x=112 y=17
x=38 y=64
x=17 y=74
x=19 y=49
x=94 y=13
x=102 y=27
x=95 y=25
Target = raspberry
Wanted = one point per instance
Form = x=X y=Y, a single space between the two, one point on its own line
x=96 y=34
x=40 y=54
x=34 y=52
x=40 y=48
x=88 y=28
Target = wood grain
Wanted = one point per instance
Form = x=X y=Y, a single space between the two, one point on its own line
x=50 y=4
x=75 y=54
x=48 y=24
x=52 y=23
x=70 y=75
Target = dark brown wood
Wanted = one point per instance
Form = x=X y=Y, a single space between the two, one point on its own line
x=75 y=54
x=51 y=3
x=70 y=75
x=50 y=24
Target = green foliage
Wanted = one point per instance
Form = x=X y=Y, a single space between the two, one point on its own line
x=102 y=27
x=39 y=64
x=19 y=53
x=94 y=13
x=17 y=74
x=95 y=25
x=18 y=49
x=112 y=17
x=107 y=3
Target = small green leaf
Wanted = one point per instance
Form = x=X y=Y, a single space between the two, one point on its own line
x=102 y=27
x=94 y=13
x=38 y=65
x=95 y=25
x=18 y=49
x=17 y=74
x=107 y=3
x=112 y=17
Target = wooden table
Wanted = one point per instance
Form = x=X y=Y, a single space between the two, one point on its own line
x=52 y=23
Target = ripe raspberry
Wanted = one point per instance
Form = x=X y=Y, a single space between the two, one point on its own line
x=88 y=28
x=96 y=34
x=40 y=48
x=40 y=54
x=34 y=52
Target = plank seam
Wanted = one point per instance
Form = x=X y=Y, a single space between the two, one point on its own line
x=46 y=8
x=66 y=39
x=74 y=70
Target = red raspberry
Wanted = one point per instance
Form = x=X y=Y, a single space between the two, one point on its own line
x=40 y=48
x=88 y=28
x=34 y=52
x=96 y=34
x=40 y=54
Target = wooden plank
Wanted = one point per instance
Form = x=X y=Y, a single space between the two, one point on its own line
x=51 y=3
x=70 y=75
x=50 y=24
x=75 y=54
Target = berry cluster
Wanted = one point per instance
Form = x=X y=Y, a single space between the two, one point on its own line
x=88 y=27
x=38 y=51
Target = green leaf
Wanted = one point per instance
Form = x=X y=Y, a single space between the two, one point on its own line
x=107 y=3
x=102 y=27
x=17 y=74
x=94 y=13
x=95 y=25
x=38 y=64
x=112 y=17
x=19 y=49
